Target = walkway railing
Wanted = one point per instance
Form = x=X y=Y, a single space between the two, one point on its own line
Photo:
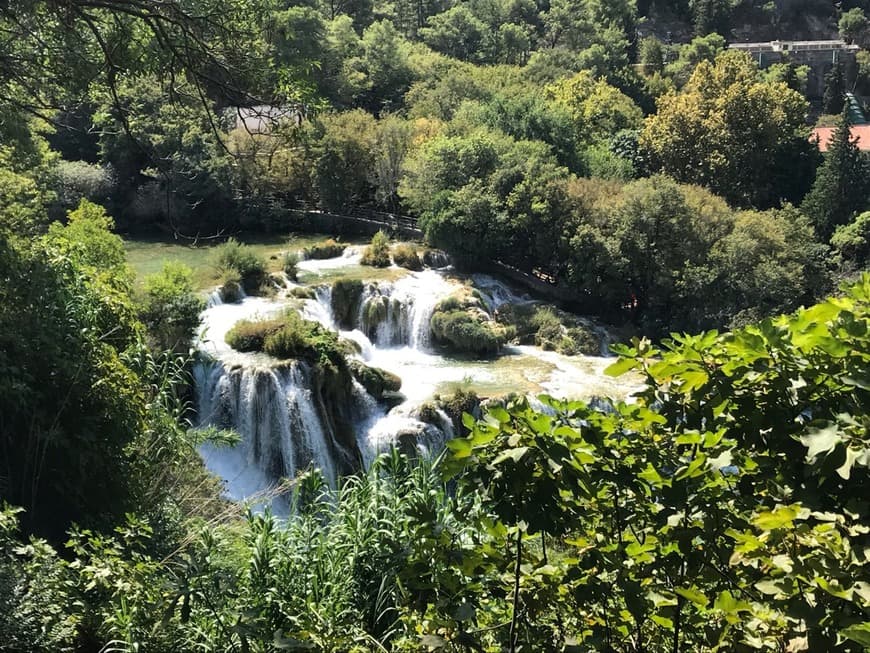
x=389 y=220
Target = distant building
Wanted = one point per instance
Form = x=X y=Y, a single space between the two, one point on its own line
x=861 y=132
x=820 y=56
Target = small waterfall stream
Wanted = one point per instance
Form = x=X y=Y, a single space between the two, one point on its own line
x=397 y=313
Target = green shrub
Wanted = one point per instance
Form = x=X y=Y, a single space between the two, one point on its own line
x=521 y=317
x=553 y=334
x=250 y=335
x=601 y=162
x=464 y=298
x=549 y=335
x=242 y=259
x=231 y=287
x=327 y=249
x=449 y=304
x=287 y=342
x=288 y=336
x=77 y=180
x=467 y=332
x=407 y=256
x=852 y=240
x=580 y=340
x=550 y=329
x=377 y=254
x=170 y=307
x=289 y=264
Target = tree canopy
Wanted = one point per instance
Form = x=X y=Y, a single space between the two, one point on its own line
x=729 y=130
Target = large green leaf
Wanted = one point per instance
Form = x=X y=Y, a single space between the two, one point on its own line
x=858 y=633
x=693 y=594
x=780 y=517
x=620 y=367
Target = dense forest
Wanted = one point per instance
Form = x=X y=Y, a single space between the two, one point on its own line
x=617 y=150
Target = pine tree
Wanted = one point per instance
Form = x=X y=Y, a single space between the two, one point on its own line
x=835 y=90
x=841 y=185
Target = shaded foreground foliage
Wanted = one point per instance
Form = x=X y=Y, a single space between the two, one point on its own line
x=724 y=510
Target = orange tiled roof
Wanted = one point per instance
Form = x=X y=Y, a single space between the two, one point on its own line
x=862 y=132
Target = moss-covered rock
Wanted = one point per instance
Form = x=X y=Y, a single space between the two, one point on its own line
x=465 y=297
x=461 y=324
x=550 y=328
x=350 y=347
x=566 y=335
x=428 y=412
x=580 y=340
x=288 y=336
x=250 y=335
x=456 y=404
x=346 y=297
x=376 y=381
x=521 y=317
x=375 y=312
x=302 y=292
x=231 y=291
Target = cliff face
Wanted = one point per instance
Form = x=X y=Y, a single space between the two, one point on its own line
x=751 y=20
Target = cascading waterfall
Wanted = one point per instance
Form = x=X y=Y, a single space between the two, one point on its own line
x=289 y=421
x=397 y=313
x=321 y=309
x=495 y=293
x=216 y=297
x=403 y=427
x=276 y=412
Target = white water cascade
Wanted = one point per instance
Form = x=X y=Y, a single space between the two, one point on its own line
x=288 y=420
x=398 y=313
x=277 y=412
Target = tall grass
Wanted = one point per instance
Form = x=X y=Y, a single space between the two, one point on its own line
x=340 y=572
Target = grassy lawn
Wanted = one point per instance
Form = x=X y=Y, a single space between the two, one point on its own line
x=146 y=256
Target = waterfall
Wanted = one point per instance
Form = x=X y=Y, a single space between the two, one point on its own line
x=366 y=406
x=366 y=349
x=277 y=412
x=291 y=417
x=436 y=259
x=403 y=428
x=320 y=309
x=495 y=292
x=395 y=314
x=216 y=296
